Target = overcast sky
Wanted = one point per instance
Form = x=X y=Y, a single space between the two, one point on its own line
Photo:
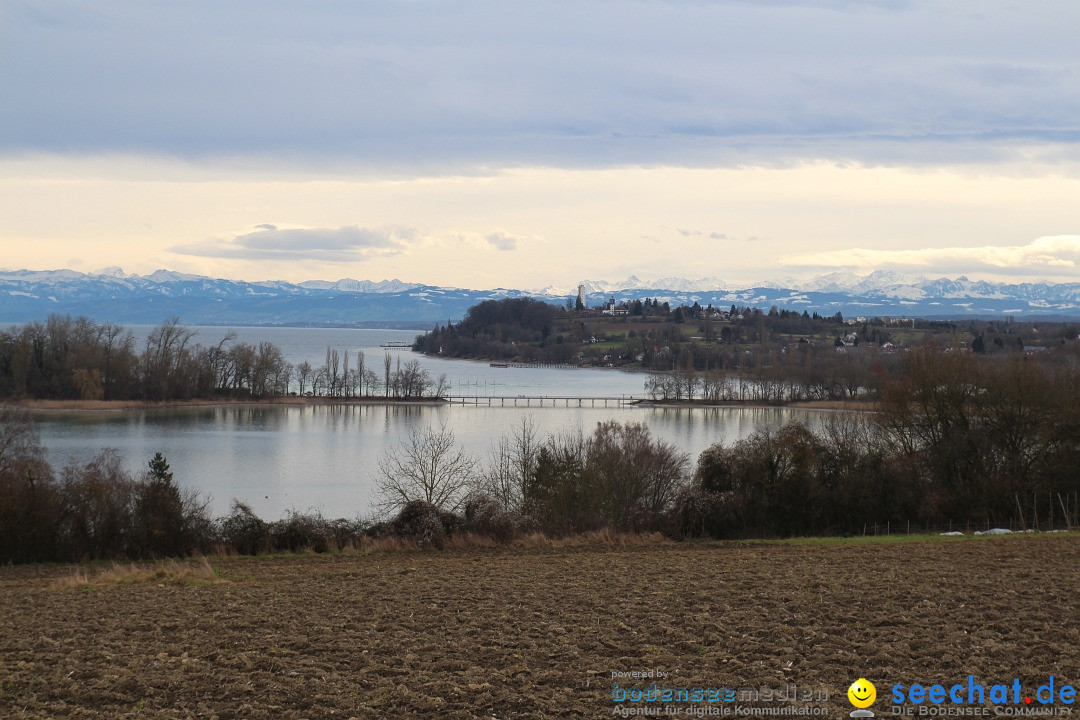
x=490 y=143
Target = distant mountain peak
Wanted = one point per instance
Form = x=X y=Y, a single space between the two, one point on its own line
x=360 y=286
x=168 y=276
x=633 y=282
x=111 y=271
x=843 y=281
x=111 y=295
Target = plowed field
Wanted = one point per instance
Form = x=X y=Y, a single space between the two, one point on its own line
x=537 y=633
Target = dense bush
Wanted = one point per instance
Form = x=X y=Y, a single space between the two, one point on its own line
x=99 y=514
x=986 y=435
x=297 y=531
x=619 y=478
x=958 y=440
x=243 y=531
x=793 y=481
x=426 y=524
x=487 y=517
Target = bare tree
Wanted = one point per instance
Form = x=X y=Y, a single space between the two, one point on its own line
x=18 y=437
x=386 y=374
x=429 y=466
x=118 y=346
x=361 y=370
x=267 y=370
x=513 y=466
x=164 y=360
x=371 y=380
x=331 y=370
x=221 y=364
x=303 y=373
x=412 y=380
x=284 y=379
x=345 y=381
x=242 y=358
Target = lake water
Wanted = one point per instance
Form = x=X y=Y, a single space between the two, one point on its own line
x=281 y=457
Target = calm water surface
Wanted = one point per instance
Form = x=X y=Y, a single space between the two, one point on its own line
x=279 y=458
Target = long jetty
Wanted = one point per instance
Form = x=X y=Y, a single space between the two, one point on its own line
x=549 y=366
x=543 y=400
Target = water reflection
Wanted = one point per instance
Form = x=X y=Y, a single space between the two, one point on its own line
x=324 y=457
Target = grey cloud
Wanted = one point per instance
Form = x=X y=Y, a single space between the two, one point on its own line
x=268 y=242
x=686 y=232
x=596 y=83
x=502 y=241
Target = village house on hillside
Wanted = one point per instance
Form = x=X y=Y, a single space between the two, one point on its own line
x=612 y=309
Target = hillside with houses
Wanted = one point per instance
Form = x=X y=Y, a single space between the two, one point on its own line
x=709 y=352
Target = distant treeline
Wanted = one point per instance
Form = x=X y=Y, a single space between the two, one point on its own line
x=771 y=375
x=79 y=359
x=495 y=329
x=735 y=353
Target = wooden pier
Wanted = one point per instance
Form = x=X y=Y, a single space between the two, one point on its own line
x=542 y=400
x=545 y=366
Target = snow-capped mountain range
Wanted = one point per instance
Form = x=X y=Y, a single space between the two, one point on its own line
x=633 y=282
x=113 y=295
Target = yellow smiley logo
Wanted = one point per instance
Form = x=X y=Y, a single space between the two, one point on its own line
x=862 y=693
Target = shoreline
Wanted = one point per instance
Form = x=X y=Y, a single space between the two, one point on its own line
x=841 y=405
x=125 y=405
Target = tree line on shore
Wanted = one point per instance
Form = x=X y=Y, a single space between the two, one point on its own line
x=806 y=371
x=772 y=376
x=957 y=441
x=742 y=354
x=79 y=359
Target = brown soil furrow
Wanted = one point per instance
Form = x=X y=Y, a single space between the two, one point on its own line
x=537 y=633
